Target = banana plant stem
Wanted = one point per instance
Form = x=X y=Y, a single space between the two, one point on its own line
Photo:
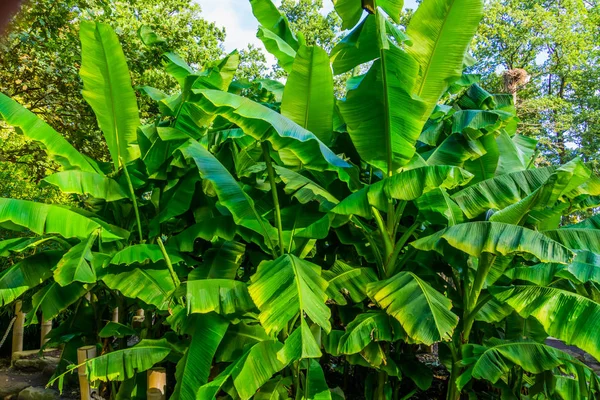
x=168 y=261
x=271 y=173
x=133 y=199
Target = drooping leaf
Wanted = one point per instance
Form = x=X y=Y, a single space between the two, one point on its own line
x=36 y=129
x=372 y=326
x=124 y=364
x=475 y=238
x=107 y=89
x=495 y=360
x=501 y=191
x=87 y=183
x=273 y=20
x=264 y=124
x=143 y=253
x=423 y=312
x=345 y=280
x=228 y=190
x=53 y=299
x=406 y=185
x=576 y=239
x=75 y=265
x=222 y=296
x=26 y=274
x=278 y=47
x=115 y=329
x=286 y=287
x=151 y=283
x=564 y=315
x=47 y=219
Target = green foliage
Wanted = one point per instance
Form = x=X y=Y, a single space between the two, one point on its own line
x=272 y=233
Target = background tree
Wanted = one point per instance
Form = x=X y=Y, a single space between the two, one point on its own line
x=40 y=56
x=555 y=42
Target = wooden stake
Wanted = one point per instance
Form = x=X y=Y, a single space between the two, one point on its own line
x=85 y=353
x=45 y=329
x=115 y=314
x=157 y=379
x=18 y=328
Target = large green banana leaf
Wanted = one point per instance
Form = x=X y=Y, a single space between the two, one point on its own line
x=220 y=262
x=316 y=386
x=301 y=344
x=26 y=274
x=501 y=191
x=222 y=227
x=584 y=268
x=264 y=124
x=239 y=339
x=143 y=253
x=194 y=367
x=423 y=312
x=273 y=20
x=567 y=316
x=366 y=328
x=228 y=191
x=107 y=89
x=124 y=364
x=308 y=95
x=75 y=264
x=576 y=238
x=563 y=181
x=345 y=279
x=249 y=372
x=283 y=52
x=495 y=360
x=350 y=11
x=83 y=182
x=476 y=238
x=304 y=189
x=515 y=153
x=222 y=296
x=406 y=185
x=438 y=202
x=286 y=287
x=53 y=299
x=440 y=31
x=589 y=223
x=150 y=283
x=382 y=117
x=51 y=219
x=357 y=48
x=36 y=129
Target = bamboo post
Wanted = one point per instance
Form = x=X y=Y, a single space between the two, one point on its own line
x=157 y=380
x=115 y=314
x=45 y=329
x=85 y=353
x=17 y=337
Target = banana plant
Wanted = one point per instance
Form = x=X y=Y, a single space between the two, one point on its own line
x=277 y=237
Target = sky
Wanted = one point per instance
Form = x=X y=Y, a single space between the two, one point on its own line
x=239 y=23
